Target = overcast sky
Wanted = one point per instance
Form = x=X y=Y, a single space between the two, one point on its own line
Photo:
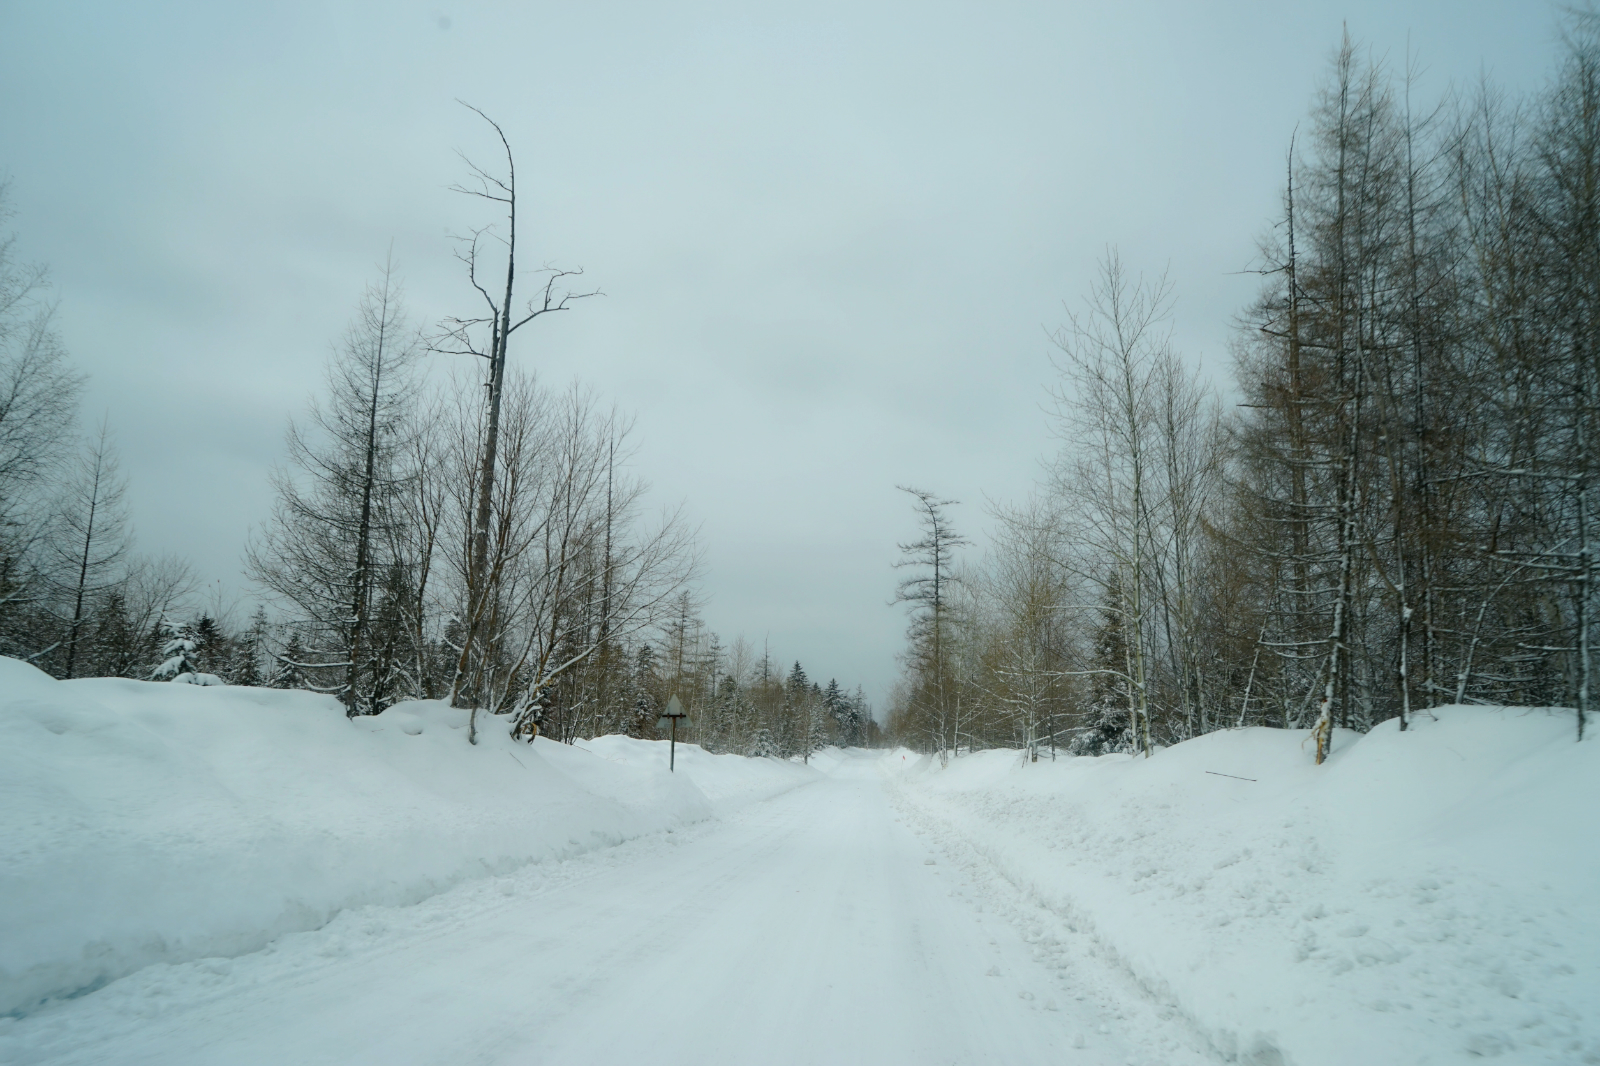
x=832 y=237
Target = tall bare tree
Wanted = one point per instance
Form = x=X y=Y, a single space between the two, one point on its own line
x=487 y=336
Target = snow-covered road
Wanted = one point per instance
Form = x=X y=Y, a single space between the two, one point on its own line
x=821 y=926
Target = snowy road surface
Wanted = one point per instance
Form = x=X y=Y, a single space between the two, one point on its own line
x=820 y=926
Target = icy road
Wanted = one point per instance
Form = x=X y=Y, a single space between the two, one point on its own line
x=825 y=925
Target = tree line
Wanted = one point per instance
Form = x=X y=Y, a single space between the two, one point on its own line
x=1394 y=509
x=478 y=539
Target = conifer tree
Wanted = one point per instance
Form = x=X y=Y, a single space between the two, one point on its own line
x=330 y=544
x=91 y=541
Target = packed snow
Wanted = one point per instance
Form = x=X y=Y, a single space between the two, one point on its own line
x=227 y=875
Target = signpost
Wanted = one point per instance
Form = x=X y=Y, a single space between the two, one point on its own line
x=674 y=712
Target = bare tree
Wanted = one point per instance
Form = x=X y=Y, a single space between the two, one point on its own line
x=569 y=566
x=1027 y=656
x=1115 y=355
x=38 y=410
x=487 y=337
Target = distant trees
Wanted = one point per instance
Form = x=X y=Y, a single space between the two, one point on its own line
x=485 y=542
x=74 y=600
x=738 y=702
x=480 y=539
x=849 y=715
x=741 y=703
x=1399 y=514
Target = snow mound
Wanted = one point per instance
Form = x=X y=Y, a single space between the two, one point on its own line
x=1423 y=897
x=157 y=823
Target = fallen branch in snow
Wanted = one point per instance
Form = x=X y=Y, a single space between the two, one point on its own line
x=1236 y=777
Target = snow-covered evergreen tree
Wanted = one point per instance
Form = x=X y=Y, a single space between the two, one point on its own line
x=1106 y=725
x=288 y=670
x=180 y=658
x=244 y=665
x=763 y=746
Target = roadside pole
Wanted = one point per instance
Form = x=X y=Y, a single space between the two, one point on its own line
x=673 y=712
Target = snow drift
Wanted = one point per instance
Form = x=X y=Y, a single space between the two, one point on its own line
x=1424 y=897
x=149 y=822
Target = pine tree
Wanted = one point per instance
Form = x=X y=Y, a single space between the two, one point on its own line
x=763 y=746
x=646 y=703
x=211 y=644
x=841 y=711
x=289 y=669
x=1107 y=726
x=116 y=649
x=244 y=666
x=180 y=658
x=327 y=551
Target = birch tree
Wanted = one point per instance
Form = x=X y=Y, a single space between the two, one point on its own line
x=1113 y=356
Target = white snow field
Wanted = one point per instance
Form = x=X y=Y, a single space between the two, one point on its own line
x=241 y=876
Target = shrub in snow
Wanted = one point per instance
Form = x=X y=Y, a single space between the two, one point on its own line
x=198 y=679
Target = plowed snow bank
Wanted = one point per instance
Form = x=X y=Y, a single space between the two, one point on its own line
x=144 y=823
x=1424 y=897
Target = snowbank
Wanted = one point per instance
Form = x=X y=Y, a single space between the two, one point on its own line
x=148 y=822
x=1426 y=896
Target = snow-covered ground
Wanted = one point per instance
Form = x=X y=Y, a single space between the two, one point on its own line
x=1426 y=897
x=206 y=875
x=214 y=875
